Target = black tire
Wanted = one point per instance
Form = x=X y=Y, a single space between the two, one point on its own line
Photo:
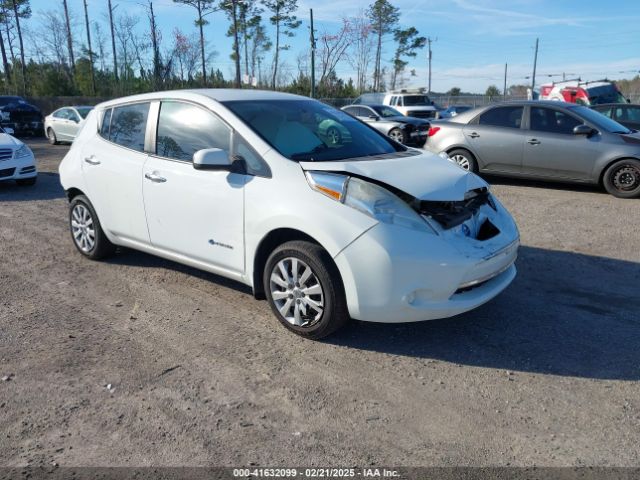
x=51 y=136
x=622 y=178
x=335 y=313
x=468 y=157
x=27 y=182
x=102 y=247
x=398 y=135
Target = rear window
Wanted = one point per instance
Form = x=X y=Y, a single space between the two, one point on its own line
x=507 y=117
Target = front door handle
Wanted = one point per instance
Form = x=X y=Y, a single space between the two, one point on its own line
x=154 y=177
x=92 y=160
x=474 y=134
x=533 y=141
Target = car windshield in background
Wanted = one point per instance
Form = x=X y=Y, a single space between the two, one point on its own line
x=600 y=120
x=416 y=100
x=605 y=94
x=386 y=112
x=84 y=111
x=307 y=130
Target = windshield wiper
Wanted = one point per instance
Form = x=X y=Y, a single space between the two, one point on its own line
x=301 y=155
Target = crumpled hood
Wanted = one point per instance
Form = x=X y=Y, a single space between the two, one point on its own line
x=426 y=176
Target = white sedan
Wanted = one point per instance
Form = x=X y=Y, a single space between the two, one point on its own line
x=63 y=124
x=16 y=160
x=243 y=184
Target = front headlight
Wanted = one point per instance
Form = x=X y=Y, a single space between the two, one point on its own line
x=368 y=198
x=22 y=152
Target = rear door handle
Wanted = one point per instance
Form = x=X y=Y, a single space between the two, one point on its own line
x=92 y=160
x=533 y=141
x=154 y=177
x=474 y=134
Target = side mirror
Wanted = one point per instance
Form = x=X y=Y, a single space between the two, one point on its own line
x=212 y=159
x=583 y=130
x=9 y=130
x=374 y=117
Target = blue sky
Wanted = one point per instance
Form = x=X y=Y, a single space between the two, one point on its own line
x=474 y=38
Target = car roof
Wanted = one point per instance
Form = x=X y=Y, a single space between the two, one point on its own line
x=619 y=104
x=217 y=94
x=370 y=105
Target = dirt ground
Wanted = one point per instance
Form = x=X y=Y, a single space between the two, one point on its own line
x=140 y=361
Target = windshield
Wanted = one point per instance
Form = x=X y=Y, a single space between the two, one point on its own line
x=416 y=100
x=387 y=111
x=600 y=120
x=605 y=94
x=84 y=111
x=4 y=101
x=307 y=130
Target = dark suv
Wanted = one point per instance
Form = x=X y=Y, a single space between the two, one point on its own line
x=20 y=115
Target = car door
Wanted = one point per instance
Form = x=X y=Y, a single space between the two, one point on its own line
x=112 y=169
x=195 y=213
x=73 y=124
x=60 y=120
x=551 y=148
x=497 y=139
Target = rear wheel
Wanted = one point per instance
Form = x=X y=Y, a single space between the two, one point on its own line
x=622 y=179
x=304 y=289
x=51 y=136
x=464 y=159
x=86 y=231
x=398 y=135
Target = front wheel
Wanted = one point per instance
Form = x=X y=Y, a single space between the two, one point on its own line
x=304 y=289
x=51 y=136
x=398 y=135
x=622 y=179
x=86 y=231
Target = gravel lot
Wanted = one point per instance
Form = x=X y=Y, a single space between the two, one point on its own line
x=200 y=373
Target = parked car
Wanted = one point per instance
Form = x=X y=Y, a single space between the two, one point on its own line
x=16 y=160
x=19 y=115
x=623 y=113
x=411 y=103
x=453 y=110
x=63 y=124
x=544 y=140
x=407 y=130
x=583 y=93
x=236 y=183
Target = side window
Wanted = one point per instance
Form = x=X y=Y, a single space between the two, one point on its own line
x=352 y=110
x=367 y=112
x=608 y=112
x=183 y=129
x=106 y=124
x=394 y=101
x=507 y=117
x=633 y=114
x=255 y=164
x=128 y=125
x=62 y=114
x=73 y=116
x=553 y=121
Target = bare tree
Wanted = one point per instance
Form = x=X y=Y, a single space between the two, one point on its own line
x=333 y=48
x=203 y=7
x=155 y=45
x=361 y=49
x=124 y=29
x=86 y=21
x=69 y=38
x=286 y=22
x=101 y=41
x=113 y=41
x=259 y=44
x=21 y=9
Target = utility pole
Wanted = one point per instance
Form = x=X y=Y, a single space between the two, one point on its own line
x=535 y=62
x=86 y=21
x=113 y=42
x=313 y=57
x=69 y=39
x=430 y=53
x=504 y=90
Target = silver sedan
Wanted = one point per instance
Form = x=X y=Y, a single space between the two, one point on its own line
x=63 y=124
x=543 y=140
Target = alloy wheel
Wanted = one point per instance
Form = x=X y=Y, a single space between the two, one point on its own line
x=296 y=292
x=82 y=228
x=397 y=135
x=462 y=161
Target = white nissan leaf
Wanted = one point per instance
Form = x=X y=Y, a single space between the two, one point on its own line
x=245 y=184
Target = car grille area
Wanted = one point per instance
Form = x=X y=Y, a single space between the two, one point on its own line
x=7 y=172
x=6 y=154
x=427 y=114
